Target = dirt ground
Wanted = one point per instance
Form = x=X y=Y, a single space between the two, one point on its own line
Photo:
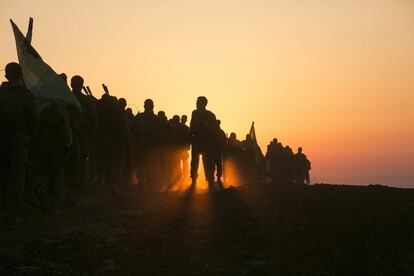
x=249 y=230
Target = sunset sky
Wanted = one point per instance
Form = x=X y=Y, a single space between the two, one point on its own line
x=334 y=76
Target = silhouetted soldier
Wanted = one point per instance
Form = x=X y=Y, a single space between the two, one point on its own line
x=113 y=136
x=301 y=167
x=73 y=157
x=288 y=166
x=85 y=130
x=184 y=145
x=202 y=132
x=147 y=137
x=274 y=155
x=164 y=150
x=47 y=153
x=131 y=120
x=94 y=172
x=174 y=151
x=248 y=158
x=219 y=144
x=128 y=118
x=252 y=160
x=17 y=123
x=232 y=155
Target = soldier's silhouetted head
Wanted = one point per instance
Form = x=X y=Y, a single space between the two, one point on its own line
x=129 y=111
x=233 y=136
x=176 y=119
x=149 y=105
x=122 y=103
x=13 y=71
x=161 y=114
x=76 y=83
x=64 y=77
x=275 y=140
x=201 y=102
x=300 y=149
x=184 y=119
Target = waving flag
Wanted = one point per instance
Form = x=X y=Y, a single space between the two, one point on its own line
x=39 y=77
x=252 y=133
x=259 y=157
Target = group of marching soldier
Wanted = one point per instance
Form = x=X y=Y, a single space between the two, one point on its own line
x=280 y=163
x=51 y=150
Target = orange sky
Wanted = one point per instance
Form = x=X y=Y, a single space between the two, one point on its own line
x=335 y=77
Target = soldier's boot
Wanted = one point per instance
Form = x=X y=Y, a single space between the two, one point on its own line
x=193 y=181
x=14 y=196
x=220 y=185
x=211 y=185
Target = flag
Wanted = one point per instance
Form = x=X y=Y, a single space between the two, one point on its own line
x=38 y=76
x=259 y=157
x=252 y=133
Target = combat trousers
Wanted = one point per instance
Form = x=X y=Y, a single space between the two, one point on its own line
x=307 y=177
x=218 y=163
x=48 y=156
x=73 y=172
x=13 y=164
x=184 y=161
x=114 y=162
x=175 y=172
x=85 y=149
x=148 y=165
x=208 y=162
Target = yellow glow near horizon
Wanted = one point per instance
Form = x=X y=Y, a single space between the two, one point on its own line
x=335 y=77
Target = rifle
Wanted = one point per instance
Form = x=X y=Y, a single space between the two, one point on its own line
x=89 y=91
x=105 y=88
x=85 y=90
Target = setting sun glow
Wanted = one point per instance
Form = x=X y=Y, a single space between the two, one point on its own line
x=335 y=77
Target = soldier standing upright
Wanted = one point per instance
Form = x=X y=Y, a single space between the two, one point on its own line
x=302 y=166
x=184 y=144
x=147 y=140
x=163 y=150
x=17 y=124
x=113 y=135
x=202 y=132
x=88 y=127
x=174 y=165
x=128 y=118
x=219 y=145
x=232 y=156
x=248 y=159
x=47 y=152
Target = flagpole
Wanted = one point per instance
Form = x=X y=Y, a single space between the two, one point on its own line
x=30 y=31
